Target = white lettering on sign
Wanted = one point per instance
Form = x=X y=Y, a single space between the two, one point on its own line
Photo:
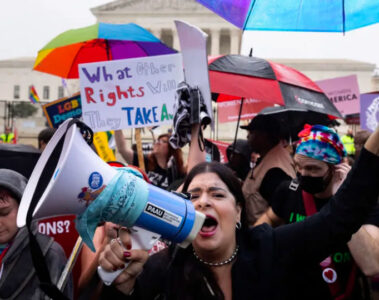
x=56 y=227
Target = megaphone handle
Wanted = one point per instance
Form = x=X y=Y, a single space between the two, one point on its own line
x=141 y=239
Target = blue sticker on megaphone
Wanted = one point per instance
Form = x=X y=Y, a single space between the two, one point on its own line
x=95 y=180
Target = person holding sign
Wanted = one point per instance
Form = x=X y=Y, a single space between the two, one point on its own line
x=229 y=260
x=163 y=165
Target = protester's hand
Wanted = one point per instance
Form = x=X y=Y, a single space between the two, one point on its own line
x=340 y=172
x=110 y=231
x=119 y=252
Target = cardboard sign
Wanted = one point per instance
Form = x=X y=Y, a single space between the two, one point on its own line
x=343 y=92
x=100 y=140
x=62 y=229
x=369 y=111
x=130 y=93
x=60 y=110
x=193 y=45
x=228 y=111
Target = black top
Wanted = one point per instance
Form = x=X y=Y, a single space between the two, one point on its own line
x=269 y=258
x=273 y=178
x=287 y=203
x=158 y=177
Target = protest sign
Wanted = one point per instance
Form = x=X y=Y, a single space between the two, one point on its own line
x=343 y=92
x=193 y=45
x=100 y=141
x=369 y=111
x=228 y=111
x=130 y=93
x=60 y=110
x=62 y=229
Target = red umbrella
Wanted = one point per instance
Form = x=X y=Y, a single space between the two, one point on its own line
x=236 y=76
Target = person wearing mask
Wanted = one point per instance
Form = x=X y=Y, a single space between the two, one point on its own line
x=163 y=165
x=18 y=279
x=8 y=136
x=274 y=166
x=320 y=162
x=230 y=260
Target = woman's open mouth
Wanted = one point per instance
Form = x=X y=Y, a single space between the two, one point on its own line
x=209 y=226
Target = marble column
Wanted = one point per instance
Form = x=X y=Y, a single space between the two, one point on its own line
x=235 y=37
x=215 y=41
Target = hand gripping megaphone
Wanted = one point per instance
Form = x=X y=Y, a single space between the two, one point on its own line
x=69 y=178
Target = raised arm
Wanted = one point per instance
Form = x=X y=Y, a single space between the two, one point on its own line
x=125 y=152
x=317 y=236
x=364 y=247
x=195 y=155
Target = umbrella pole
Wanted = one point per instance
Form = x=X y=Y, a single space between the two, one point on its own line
x=238 y=124
x=107 y=49
x=70 y=264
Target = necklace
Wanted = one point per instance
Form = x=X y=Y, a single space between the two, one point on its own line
x=218 y=264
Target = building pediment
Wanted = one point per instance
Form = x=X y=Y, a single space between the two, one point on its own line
x=166 y=6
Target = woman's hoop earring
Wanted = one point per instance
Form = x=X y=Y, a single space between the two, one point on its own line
x=238 y=225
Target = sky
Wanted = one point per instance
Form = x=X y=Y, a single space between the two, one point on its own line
x=27 y=25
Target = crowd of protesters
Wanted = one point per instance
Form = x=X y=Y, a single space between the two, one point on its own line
x=238 y=255
x=279 y=225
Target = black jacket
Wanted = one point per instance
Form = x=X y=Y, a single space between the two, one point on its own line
x=267 y=256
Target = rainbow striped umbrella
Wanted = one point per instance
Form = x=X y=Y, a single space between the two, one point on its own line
x=99 y=42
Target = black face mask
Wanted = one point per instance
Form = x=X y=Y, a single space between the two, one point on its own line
x=314 y=185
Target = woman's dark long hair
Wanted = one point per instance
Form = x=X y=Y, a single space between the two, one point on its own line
x=187 y=277
x=176 y=153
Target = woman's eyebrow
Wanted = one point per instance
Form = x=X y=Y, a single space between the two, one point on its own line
x=210 y=189
x=215 y=189
x=194 y=190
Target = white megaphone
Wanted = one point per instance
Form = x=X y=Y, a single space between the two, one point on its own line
x=69 y=175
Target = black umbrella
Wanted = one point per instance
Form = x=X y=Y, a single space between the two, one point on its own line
x=236 y=76
x=19 y=158
x=294 y=119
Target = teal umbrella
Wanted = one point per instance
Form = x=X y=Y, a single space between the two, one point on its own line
x=297 y=15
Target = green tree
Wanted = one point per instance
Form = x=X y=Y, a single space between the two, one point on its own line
x=23 y=109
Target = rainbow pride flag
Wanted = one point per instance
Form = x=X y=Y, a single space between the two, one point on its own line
x=33 y=97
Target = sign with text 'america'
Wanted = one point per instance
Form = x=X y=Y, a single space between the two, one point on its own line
x=343 y=92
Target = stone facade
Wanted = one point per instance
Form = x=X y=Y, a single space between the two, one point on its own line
x=16 y=76
x=158 y=16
